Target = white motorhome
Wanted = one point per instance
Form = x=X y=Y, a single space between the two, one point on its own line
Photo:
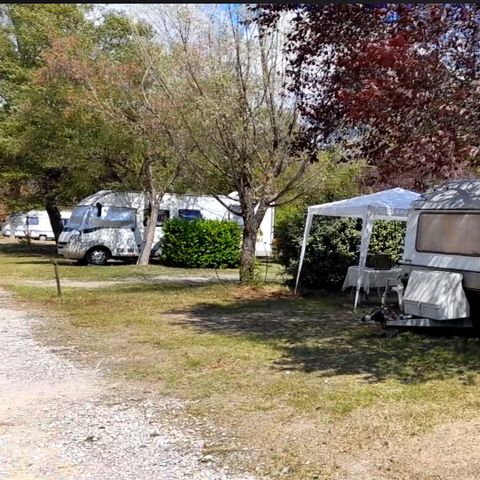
x=111 y=224
x=34 y=224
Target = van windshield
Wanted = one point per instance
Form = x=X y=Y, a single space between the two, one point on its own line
x=77 y=217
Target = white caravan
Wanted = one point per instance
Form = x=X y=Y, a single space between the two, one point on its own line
x=15 y=225
x=111 y=224
x=34 y=224
x=441 y=261
x=440 y=282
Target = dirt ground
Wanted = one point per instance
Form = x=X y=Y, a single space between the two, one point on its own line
x=64 y=421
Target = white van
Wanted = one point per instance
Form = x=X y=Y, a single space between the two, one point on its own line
x=34 y=224
x=111 y=224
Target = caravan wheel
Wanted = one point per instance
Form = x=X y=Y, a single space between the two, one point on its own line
x=97 y=256
x=42 y=238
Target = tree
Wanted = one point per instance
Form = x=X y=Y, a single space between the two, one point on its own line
x=52 y=144
x=231 y=108
x=117 y=88
x=395 y=84
x=25 y=30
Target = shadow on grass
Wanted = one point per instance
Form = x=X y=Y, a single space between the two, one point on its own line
x=321 y=336
x=33 y=249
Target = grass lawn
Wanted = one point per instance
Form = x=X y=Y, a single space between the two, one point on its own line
x=302 y=389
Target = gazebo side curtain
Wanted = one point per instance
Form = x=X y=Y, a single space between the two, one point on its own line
x=367 y=227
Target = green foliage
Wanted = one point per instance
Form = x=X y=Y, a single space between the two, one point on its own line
x=332 y=180
x=115 y=36
x=341 y=179
x=332 y=248
x=201 y=243
x=46 y=126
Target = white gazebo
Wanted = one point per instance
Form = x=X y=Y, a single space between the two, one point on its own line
x=390 y=204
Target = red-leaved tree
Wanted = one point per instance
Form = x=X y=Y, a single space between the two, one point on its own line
x=395 y=84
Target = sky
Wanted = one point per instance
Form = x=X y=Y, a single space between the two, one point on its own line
x=137 y=9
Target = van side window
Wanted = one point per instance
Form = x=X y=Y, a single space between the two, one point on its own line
x=146 y=216
x=121 y=217
x=32 y=220
x=188 y=214
x=115 y=217
x=162 y=217
x=236 y=214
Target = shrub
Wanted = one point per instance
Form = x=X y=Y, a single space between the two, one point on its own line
x=201 y=243
x=333 y=246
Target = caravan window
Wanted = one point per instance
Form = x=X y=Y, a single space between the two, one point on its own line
x=32 y=220
x=188 y=214
x=162 y=217
x=449 y=233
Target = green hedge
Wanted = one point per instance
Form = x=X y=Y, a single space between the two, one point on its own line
x=332 y=248
x=201 y=243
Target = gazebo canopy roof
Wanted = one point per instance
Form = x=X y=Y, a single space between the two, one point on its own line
x=390 y=204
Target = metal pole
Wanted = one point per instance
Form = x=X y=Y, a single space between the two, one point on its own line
x=57 y=277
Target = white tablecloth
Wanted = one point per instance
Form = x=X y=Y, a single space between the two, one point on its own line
x=372 y=278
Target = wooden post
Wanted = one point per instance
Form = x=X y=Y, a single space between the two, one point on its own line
x=57 y=277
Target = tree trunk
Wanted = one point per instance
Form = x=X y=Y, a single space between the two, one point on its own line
x=252 y=215
x=247 y=257
x=144 y=257
x=155 y=199
x=55 y=217
x=49 y=187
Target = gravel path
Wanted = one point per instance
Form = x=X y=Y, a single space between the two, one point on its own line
x=61 y=421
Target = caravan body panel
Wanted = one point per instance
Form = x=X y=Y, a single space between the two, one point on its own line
x=443 y=231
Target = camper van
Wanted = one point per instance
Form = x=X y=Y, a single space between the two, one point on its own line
x=441 y=261
x=111 y=224
x=34 y=224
